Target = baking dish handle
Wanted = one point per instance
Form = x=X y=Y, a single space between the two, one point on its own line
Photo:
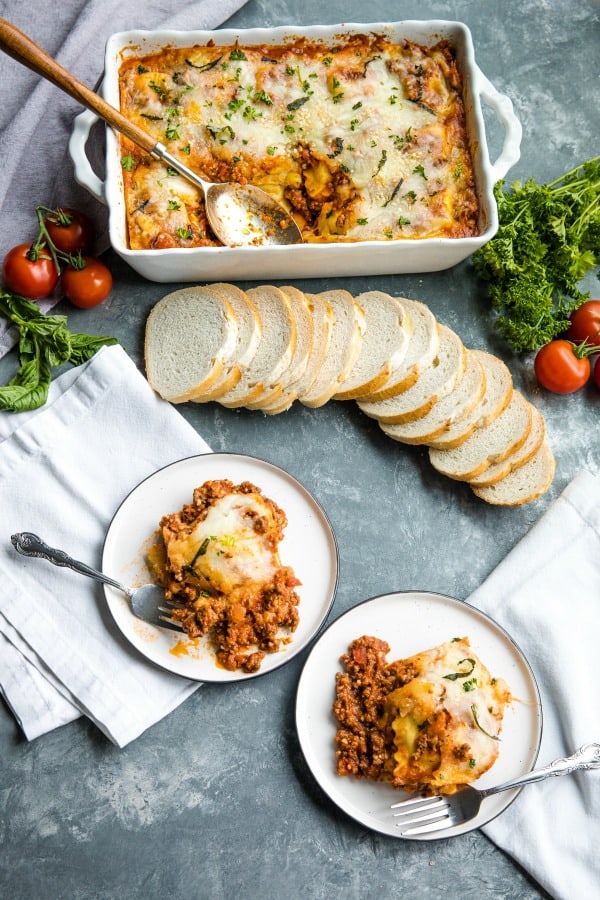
x=84 y=174
x=513 y=132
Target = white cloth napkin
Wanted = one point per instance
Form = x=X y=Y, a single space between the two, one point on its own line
x=64 y=470
x=546 y=593
x=36 y=118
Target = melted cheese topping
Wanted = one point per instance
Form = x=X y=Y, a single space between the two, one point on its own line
x=361 y=140
x=446 y=720
x=225 y=549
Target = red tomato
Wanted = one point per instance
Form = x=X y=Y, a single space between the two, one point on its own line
x=561 y=368
x=585 y=323
x=70 y=230
x=87 y=286
x=29 y=272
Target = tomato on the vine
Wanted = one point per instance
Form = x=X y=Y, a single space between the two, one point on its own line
x=70 y=231
x=88 y=284
x=30 y=271
x=585 y=323
x=562 y=367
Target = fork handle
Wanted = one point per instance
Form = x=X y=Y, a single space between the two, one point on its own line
x=28 y=544
x=587 y=757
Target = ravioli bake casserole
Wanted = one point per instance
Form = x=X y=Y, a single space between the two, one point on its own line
x=360 y=138
x=428 y=723
x=218 y=561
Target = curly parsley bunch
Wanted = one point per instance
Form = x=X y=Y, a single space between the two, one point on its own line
x=548 y=239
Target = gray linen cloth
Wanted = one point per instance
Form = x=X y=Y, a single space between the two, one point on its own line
x=36 y=117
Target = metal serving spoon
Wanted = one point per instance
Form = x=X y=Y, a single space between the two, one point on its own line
x=239 y=215
x=147 y=602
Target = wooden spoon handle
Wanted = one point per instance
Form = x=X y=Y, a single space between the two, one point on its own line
x=25 y=51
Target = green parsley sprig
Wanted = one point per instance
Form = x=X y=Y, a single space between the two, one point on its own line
x=548 y=239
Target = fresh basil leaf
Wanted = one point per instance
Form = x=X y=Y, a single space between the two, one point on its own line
x=84 y=346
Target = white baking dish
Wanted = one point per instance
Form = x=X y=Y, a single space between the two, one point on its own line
x=304 y=260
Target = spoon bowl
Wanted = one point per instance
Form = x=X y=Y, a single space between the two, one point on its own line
x=239 y=215
x=147 y=602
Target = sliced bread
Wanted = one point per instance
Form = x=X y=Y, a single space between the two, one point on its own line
x=422 y=348
x=343 y=351
x=458 y=403
x=387 y=332
x=488 y=444
x=524 y=484
x=434 y=382
x=521 y=455
x=190 y=337
x=322 y=327
x=275 y=349
x=248 y=338
x=497 y=396
x=303 y=320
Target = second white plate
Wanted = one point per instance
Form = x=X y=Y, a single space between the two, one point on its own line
x=411 y=622
x=308 y=546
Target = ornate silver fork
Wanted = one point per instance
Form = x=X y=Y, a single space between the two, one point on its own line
x=147 y=602
x=419 y=815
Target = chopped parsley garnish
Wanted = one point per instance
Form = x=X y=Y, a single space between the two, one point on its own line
x=238 y=55
x=128 y=162
x=173 y=205
x=262 y=97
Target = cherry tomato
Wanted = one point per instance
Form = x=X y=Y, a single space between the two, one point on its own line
x=87 y=286
x=585 y=323
x=29 y=272
x=560 y=369
x=70 y=230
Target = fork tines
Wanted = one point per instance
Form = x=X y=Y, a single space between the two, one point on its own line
x=169 y=622
x=418 y=815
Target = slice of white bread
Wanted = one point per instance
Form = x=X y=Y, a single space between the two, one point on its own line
x=497 y=396
x=521 y=455
x=422 y=348
x=434 y=382
x=458 y=403
x=275 y=349
x=524 y=484
x=343 y=351
x=248 y=338
x=387 y=332
x=488 y=444
x=190 y=337
x=322 y=327
x=302 y=315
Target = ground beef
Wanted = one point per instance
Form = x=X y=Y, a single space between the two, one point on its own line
x=363 y=748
